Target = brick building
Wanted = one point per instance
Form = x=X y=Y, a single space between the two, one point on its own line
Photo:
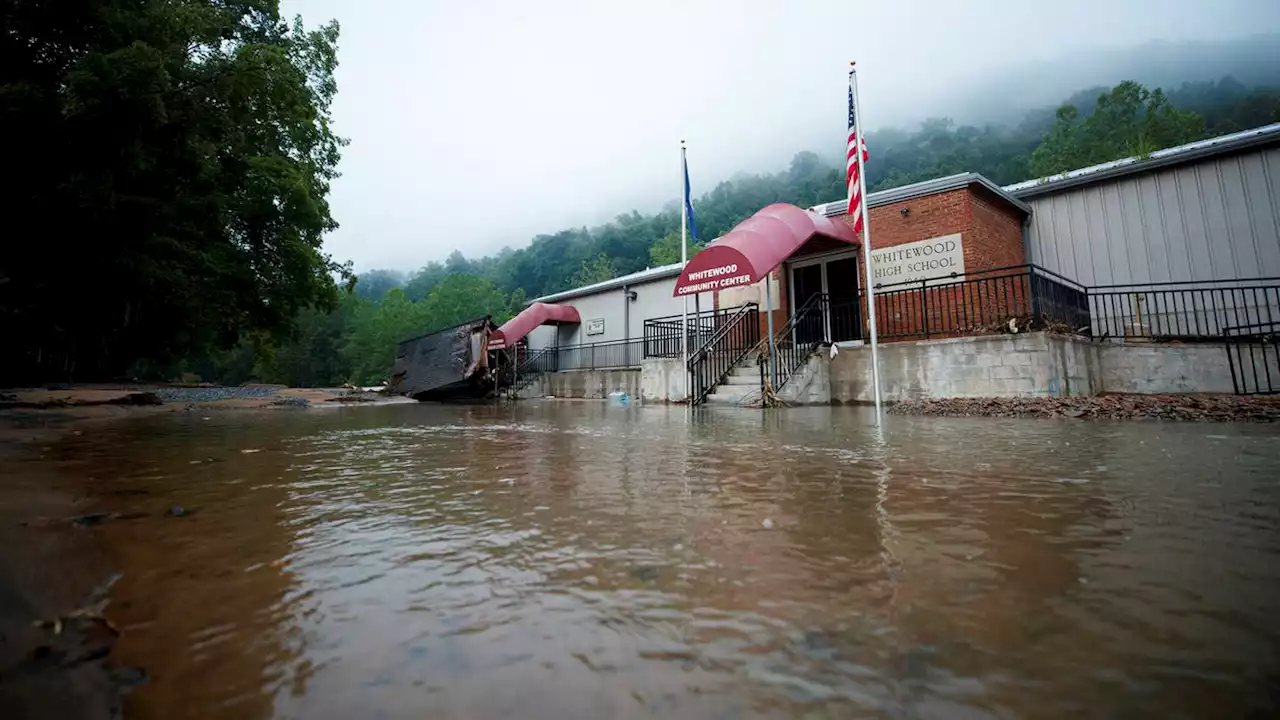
x=953 y=226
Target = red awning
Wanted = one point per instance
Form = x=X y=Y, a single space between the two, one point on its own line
x=514 y=330
x=755 y=247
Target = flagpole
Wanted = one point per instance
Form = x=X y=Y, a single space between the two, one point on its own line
x=866 y=239
x=684 y=260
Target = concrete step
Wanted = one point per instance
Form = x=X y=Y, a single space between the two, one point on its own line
x=731 y=400
x=734 y=391
x=743 y=379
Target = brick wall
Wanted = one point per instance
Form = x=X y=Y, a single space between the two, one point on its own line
x=995 y=238
x=927 y=217
x=991 y=235
x=991 y=230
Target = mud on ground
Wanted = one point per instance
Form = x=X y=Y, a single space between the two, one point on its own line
x=49 y=570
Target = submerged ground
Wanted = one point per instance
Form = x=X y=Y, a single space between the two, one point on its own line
x=572 y=559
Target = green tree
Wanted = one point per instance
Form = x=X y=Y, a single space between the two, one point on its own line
x=426 y=278
x=597 y=269
x=1128 y=121
x=463 y=297
x=376 y=283
x=178 y=154
x=666 y=251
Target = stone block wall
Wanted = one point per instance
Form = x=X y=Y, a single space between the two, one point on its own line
x=592 y=384
x=663 y=380
x=1159 y=369
x=1028 y=365
x=811 y=384
x=984 y=366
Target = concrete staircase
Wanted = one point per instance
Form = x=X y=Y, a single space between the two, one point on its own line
x=740 y=387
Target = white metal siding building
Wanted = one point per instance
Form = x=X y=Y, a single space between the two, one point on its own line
x=1205 y=211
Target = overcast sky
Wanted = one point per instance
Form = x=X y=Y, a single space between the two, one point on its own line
x=475 y=125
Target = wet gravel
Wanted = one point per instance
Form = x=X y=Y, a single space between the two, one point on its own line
x=213 y=394
x=1212 y=408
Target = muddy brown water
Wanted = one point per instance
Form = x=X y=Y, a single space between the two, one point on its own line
x=575 y=560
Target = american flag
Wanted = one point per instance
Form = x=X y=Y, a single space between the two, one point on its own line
x=855 y=144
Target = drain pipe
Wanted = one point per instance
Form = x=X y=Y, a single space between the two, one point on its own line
x=628 y=297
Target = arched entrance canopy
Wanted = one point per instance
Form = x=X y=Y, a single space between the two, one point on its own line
x=755 y=247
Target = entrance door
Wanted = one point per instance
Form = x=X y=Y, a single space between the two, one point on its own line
x=807 y=283
x=844 y=309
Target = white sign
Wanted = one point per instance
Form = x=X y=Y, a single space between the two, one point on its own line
x=595 y=326
x=716 y=278
x=916 y=261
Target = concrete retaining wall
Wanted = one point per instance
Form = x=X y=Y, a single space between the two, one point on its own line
x=811 y=384
x=1158 y=369
x=584 y=384
x=986 y=366
x=1027 y=365
x=663 y=380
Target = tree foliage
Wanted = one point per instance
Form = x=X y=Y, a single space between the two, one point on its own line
x=374 y=284
x=598 y=269
x=666 y=251
x=1131 y=120
x=175 y=160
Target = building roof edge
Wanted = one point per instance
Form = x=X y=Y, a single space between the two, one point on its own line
x=635 y=278
x=1199 y=150
x=923 y=189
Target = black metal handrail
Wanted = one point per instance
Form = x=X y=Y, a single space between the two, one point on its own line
x=532 y=367
x=662 y=334
x=983 y=301
x=1184 y=311
x=1250 y=347
x=609 y=355
x=803 y=333
x=715 y=358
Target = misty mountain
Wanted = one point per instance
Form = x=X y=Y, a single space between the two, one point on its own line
x=1163 y=63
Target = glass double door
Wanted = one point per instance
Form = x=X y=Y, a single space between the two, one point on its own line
x=838 y=318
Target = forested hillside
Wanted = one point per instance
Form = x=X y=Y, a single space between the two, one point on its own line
x=176 y=160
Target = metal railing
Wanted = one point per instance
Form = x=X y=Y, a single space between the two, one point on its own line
x=1186 y=311
x=613 y=355
x=795 y=342
x=662 y=334
x=530 y=367
x=1254 y=357
x=736 y=335
x=981 y=302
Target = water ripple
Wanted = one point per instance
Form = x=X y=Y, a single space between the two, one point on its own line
x=573 y=560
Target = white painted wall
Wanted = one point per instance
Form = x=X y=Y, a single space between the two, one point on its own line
x=653 y=299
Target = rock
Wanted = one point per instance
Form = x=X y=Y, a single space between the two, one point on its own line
x=179 y=511
x=767 y=524
x=93 y=518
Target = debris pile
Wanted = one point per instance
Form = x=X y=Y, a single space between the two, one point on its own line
x=1205 y=408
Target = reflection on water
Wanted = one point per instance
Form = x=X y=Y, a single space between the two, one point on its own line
x=575 y=560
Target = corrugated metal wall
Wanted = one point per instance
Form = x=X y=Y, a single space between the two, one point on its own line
x=1215 y=219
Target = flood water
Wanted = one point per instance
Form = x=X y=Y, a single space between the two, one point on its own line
x=575 y=560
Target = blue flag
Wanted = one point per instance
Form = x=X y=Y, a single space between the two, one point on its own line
x=688 y=202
